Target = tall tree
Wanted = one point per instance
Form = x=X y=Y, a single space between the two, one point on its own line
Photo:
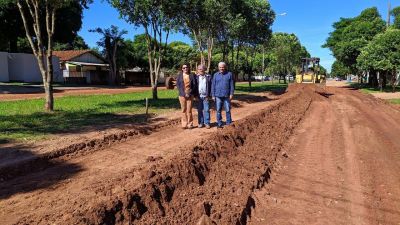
x=158 y=19
x=202 y=20
x=12 y=31
x=396 y=14
x=383 y=54
x=258 y=29
x=77 y=44
x=111 y=40
x=179 y=53
x=339 y=70
x=350 y=35
x=287 y=52
x=39 y=16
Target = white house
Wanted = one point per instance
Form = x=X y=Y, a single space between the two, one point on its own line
x=24 y=68
x=83 y=66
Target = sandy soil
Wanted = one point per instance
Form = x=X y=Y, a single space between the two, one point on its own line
x=343 y=166
x=314 y=156
x=19 y=93
x=395 y=95
x=333 y=83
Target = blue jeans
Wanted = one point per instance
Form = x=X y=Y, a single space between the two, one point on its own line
x=227 y=105
x=203 y=110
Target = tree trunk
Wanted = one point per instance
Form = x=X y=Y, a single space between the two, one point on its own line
x=379 y=74
x=114 y=60
x=154 y=92
x=48 y=83
x=384 y=77
x=373 y=80
x=233 y=57
x=49 y=105
x=197 y=38
x=394 y=80
x=237 y=59
x=249 y=76
x=210 y=45
x=38 y=47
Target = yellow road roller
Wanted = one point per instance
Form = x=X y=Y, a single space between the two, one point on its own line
x=309 y=71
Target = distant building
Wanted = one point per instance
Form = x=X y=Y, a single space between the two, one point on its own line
x=83 y=67
x=24 y=67
x=136 y=76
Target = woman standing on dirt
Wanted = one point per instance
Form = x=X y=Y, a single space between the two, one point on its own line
x=186 y=84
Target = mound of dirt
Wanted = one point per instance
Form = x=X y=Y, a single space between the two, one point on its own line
x=211 y=182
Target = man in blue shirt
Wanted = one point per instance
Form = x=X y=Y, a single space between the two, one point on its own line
x=222 y=89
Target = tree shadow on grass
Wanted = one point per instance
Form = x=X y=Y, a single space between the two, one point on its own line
x=60 y=122
x=12 y=184
x=163 y=103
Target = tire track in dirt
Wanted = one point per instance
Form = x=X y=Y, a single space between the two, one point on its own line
x=36 y=163
x=343 y=166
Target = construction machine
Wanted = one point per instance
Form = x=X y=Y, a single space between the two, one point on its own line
x=310 y=71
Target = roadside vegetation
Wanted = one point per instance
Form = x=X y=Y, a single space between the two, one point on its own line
x=367 y=46
x=25 y=120
x=367 y=89
x=395 y=101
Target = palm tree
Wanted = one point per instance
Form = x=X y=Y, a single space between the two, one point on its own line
x=112 y=38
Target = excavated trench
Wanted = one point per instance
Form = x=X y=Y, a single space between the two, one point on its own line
x=20 y=167
x=211 y=182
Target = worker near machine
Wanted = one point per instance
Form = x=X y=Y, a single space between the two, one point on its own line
x=186 y=84
x=222 y=89
x=203 y=97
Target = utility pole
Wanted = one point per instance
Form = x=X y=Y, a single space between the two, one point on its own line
x=263 y=63
x=388 y=15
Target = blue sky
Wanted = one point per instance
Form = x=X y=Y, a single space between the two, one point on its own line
x=310 y=20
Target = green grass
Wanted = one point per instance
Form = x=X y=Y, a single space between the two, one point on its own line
x=395 y=101
x=13 y=83
x=364 y=88
x=25 y=119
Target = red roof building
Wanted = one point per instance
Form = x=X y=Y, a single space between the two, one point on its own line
x=83 y=67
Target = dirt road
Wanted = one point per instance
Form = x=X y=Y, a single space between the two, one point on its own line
x=314 y=156
x=343 y=166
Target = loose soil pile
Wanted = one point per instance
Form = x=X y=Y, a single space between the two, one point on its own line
x=212 y=182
